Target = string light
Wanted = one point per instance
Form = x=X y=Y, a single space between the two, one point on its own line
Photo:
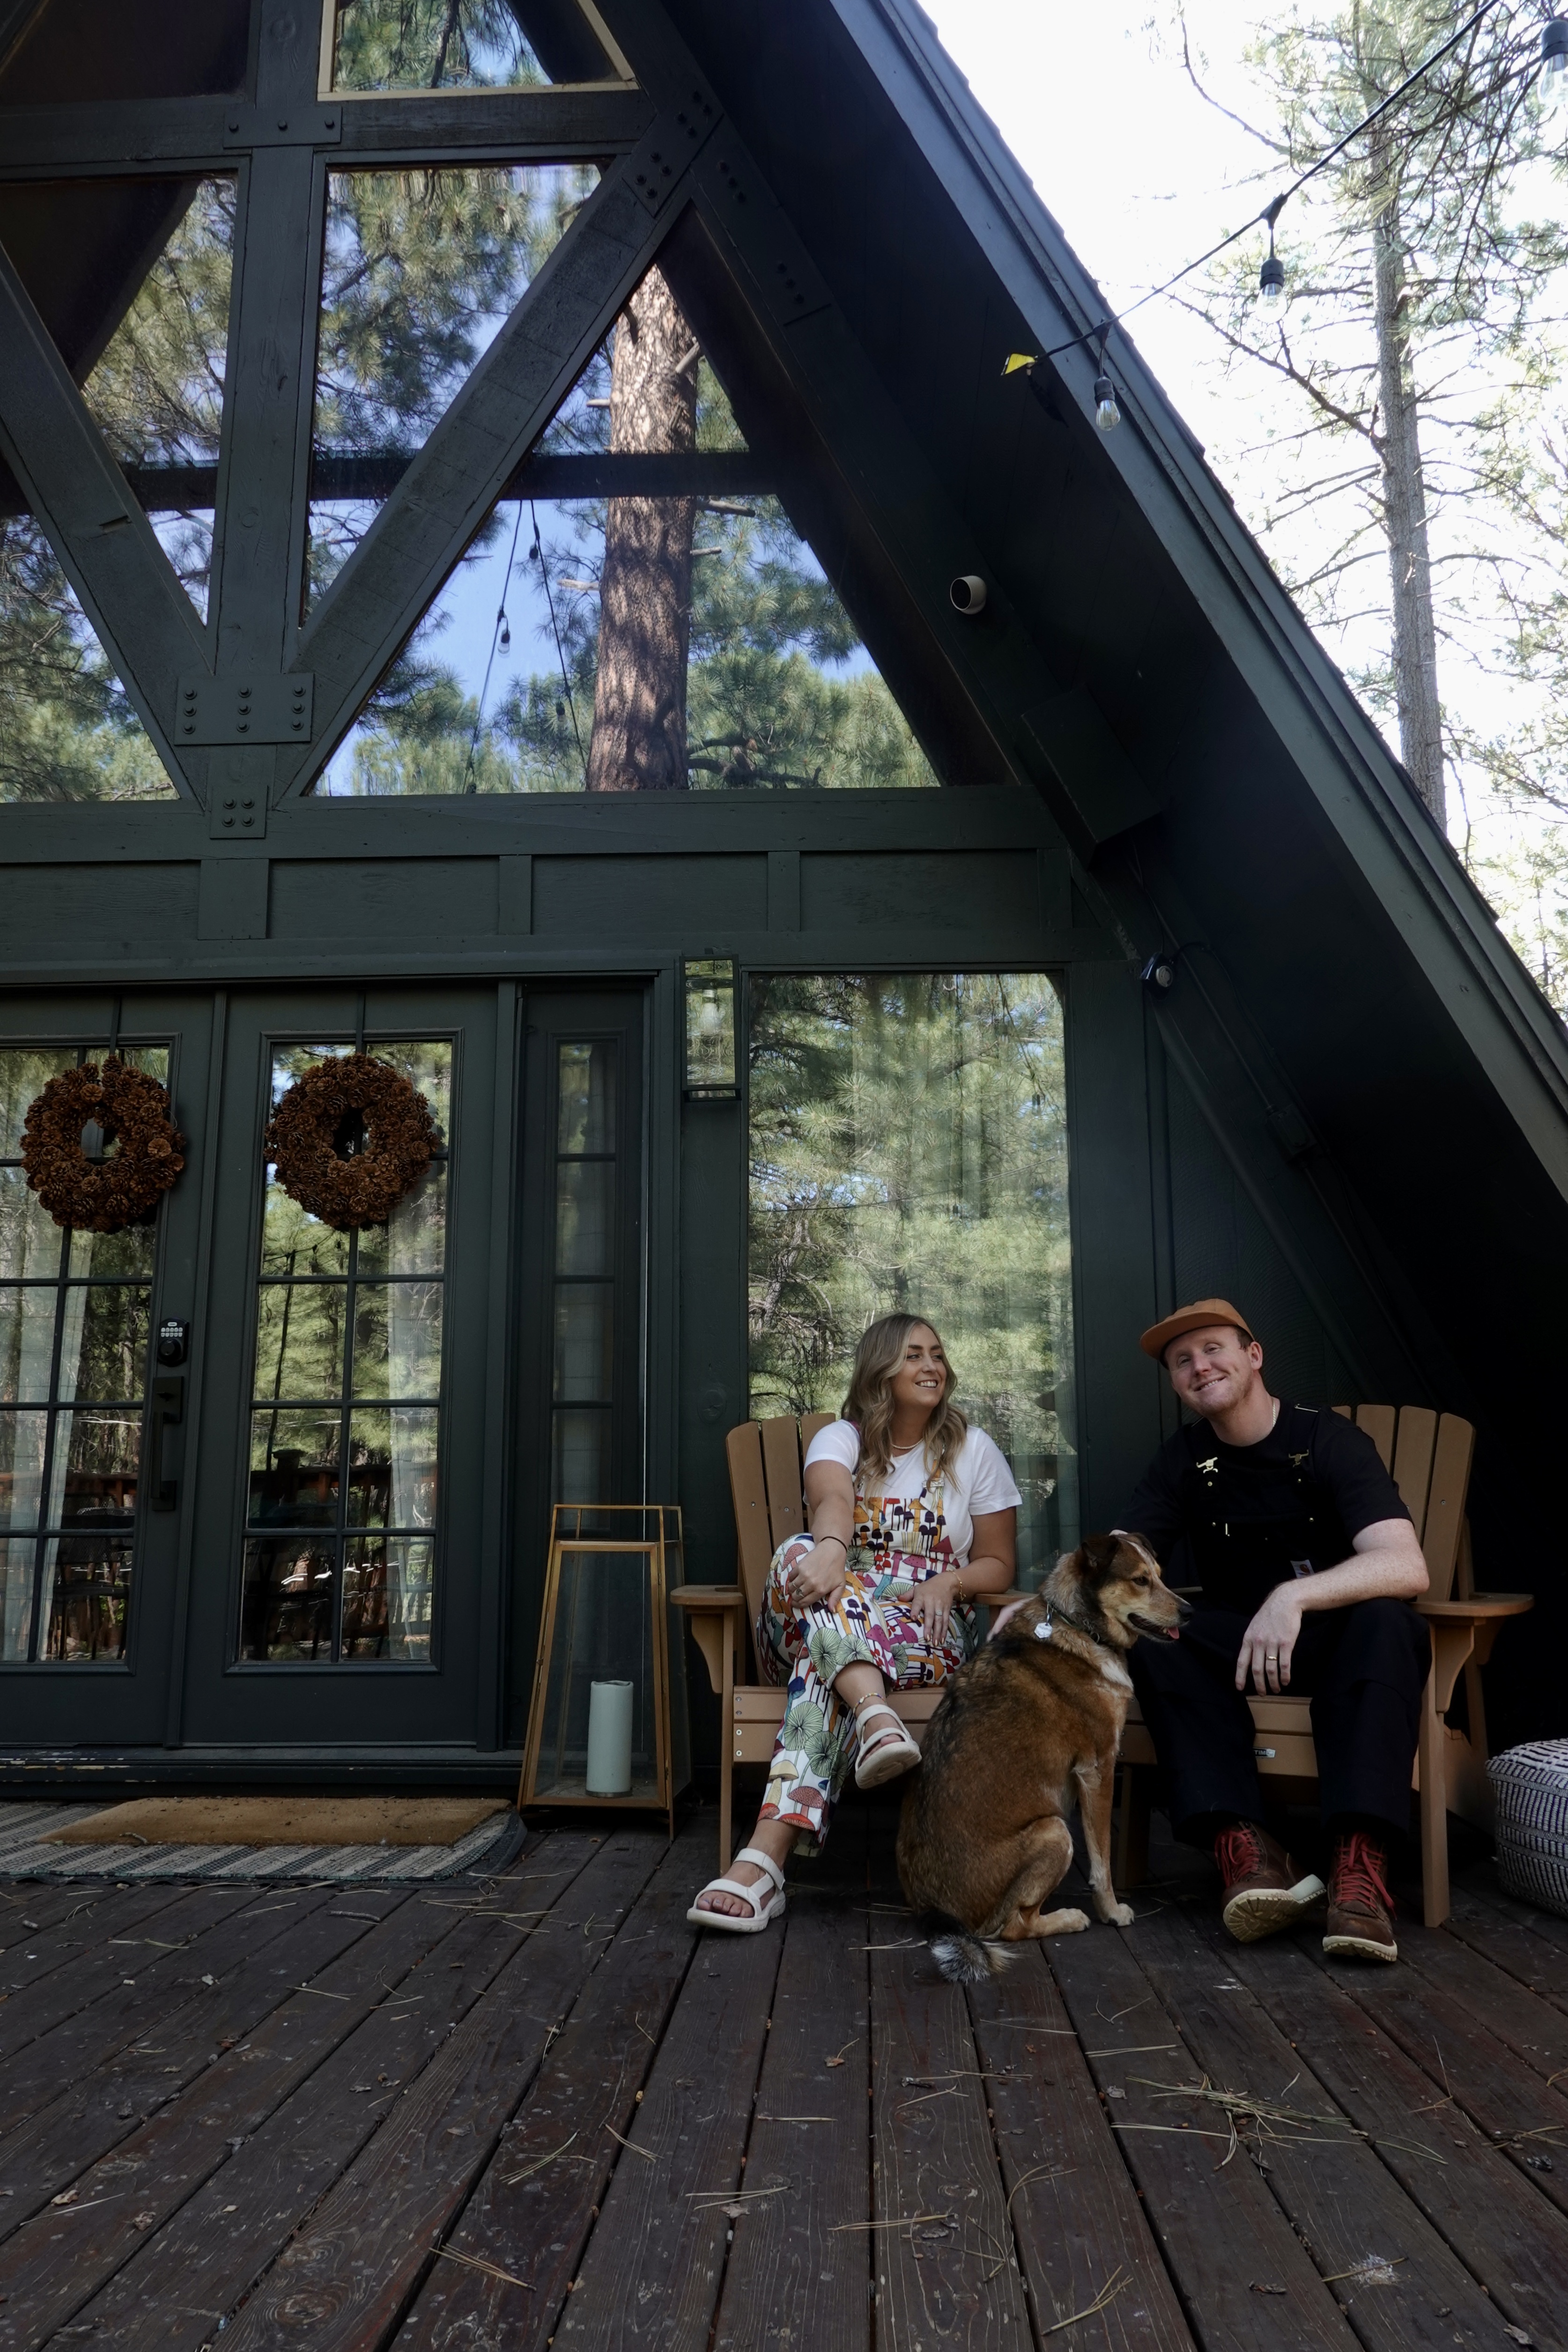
x=1554 y=62
x=1271 y=276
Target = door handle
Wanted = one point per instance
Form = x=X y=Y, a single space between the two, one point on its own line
x=168 y=1412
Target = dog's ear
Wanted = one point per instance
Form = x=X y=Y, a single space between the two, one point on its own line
x=1097 y=1554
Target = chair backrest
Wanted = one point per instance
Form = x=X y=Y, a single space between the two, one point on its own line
x=766 y=1487
x=1429 y=1456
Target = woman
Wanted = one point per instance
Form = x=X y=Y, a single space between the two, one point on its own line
x=912 y=1512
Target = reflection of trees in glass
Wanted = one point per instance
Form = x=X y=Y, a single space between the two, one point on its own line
x=909 y=1151
x=67 y=730
x=432 y=45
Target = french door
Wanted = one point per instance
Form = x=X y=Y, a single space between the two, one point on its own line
x=95 y=1494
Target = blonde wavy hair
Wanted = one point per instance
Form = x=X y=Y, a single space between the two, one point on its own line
x=869 y=1403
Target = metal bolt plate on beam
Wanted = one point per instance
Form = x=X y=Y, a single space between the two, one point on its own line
x=244 y=710
x=658 y=161
x=299 y=126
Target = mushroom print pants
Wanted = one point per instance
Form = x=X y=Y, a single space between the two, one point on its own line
x=871 y=1623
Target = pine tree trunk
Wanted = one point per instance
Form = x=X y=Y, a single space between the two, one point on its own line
x=638 y=743
x=1404 y=519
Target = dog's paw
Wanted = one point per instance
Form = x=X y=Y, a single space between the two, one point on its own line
x=1121 y=1915
x=1064 y=1923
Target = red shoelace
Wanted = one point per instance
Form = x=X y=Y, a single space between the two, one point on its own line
x=1355 y=1882
x=1239 y=1852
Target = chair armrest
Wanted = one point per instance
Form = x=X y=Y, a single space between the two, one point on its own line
x=707 y=1596
x=1479 y=1609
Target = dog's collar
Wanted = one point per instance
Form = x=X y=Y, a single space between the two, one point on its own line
x=1054 y=1610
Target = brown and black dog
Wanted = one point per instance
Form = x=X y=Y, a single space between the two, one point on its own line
x=1028 y=1728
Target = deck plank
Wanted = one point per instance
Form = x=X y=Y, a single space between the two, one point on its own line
x=1337 y=2196
x=351 y=2272
x=188 y=2279
x=798 y=2275
x=1512 y=2242
x=1454 y=2048
x=531 y=2213
x=1222 y=2232
x=1530 y=2024
x=64 y=2253
x=62 y=1971
x=1514 y=1940
x=651 y=2271
x=945 y=2265
x=1075 y=2215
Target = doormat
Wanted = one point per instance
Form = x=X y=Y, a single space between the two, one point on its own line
x=331 y=1841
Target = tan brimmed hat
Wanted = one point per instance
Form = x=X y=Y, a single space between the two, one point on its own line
x=1202 y=1311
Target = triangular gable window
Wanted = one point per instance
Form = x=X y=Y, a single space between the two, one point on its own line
x=76 y=50
x=425 y=45
x=634 y=638
x=68 y=731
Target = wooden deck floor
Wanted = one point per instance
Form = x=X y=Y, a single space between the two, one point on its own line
x=537 y=2111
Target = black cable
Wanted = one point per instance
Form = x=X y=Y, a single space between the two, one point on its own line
x=495 y=638
x=1272 y=210
x=559 y=648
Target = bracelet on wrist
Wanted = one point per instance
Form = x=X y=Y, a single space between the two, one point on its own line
x=838 y=1540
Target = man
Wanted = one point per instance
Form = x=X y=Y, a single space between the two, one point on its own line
x=1309 y=1563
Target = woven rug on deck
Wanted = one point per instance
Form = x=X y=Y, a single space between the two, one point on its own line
x=272 y=1839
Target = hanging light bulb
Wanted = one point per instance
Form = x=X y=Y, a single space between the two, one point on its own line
x=505 y=628
x=1554 y=61
x=1107 y=415
x=1271 y=279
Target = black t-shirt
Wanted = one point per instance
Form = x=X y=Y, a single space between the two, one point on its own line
x=1243 y=1518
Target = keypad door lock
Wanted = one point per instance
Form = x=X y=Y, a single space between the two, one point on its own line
x=173 y=1341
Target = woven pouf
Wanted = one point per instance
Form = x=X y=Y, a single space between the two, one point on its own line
x=1530 y=1785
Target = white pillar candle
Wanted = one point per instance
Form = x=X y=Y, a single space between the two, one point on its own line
x=609 y=1739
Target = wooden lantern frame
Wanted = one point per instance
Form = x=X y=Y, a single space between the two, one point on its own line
x=565 y=1524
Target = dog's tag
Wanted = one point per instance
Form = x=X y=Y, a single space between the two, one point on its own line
x=1042 y=1630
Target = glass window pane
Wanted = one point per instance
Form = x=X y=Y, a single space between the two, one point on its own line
x=388 y=1583
x=397 y=1339
x=71 y=731
x=24 y=1072
x=414 y=1239
x=77 y=50
x=464 y=45
x=582 y=1466
x=299 y=1331
x=294 y=1242
x=17 y=1558
x=391 y=1466
x=294 y=1468
x=584 y=1326
x=908 y=1149
x=29 y=1238
x=26 y=1343
x=104 y=1335
x=585 y=1095
x=287 y=1609
x=426 y=1064
x=105 y=1257
x=22 y=1440
x=86 y=1597
x=422 y=270
x=92 y=1481
x=585 y=1206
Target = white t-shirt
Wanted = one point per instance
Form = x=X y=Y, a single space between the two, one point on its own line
x=979 y=1479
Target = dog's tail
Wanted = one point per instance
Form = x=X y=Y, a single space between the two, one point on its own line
x=963 y=1956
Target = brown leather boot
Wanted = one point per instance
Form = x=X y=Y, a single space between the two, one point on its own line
x=1264 y=1891
x=1360 y=1920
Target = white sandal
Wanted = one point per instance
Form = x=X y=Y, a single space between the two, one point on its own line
x=762 y=1913
x=885 y=1753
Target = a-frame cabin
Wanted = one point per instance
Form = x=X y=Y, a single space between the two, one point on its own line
x=765 y=932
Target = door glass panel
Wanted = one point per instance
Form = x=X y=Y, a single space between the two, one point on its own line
x=75 y=1335
x=345 y=1411
x=587 y=1182
x=909 y=1151
x=419 y=45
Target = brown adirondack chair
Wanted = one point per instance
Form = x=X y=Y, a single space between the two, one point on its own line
x=1429 y=1456
x=765 y=1485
